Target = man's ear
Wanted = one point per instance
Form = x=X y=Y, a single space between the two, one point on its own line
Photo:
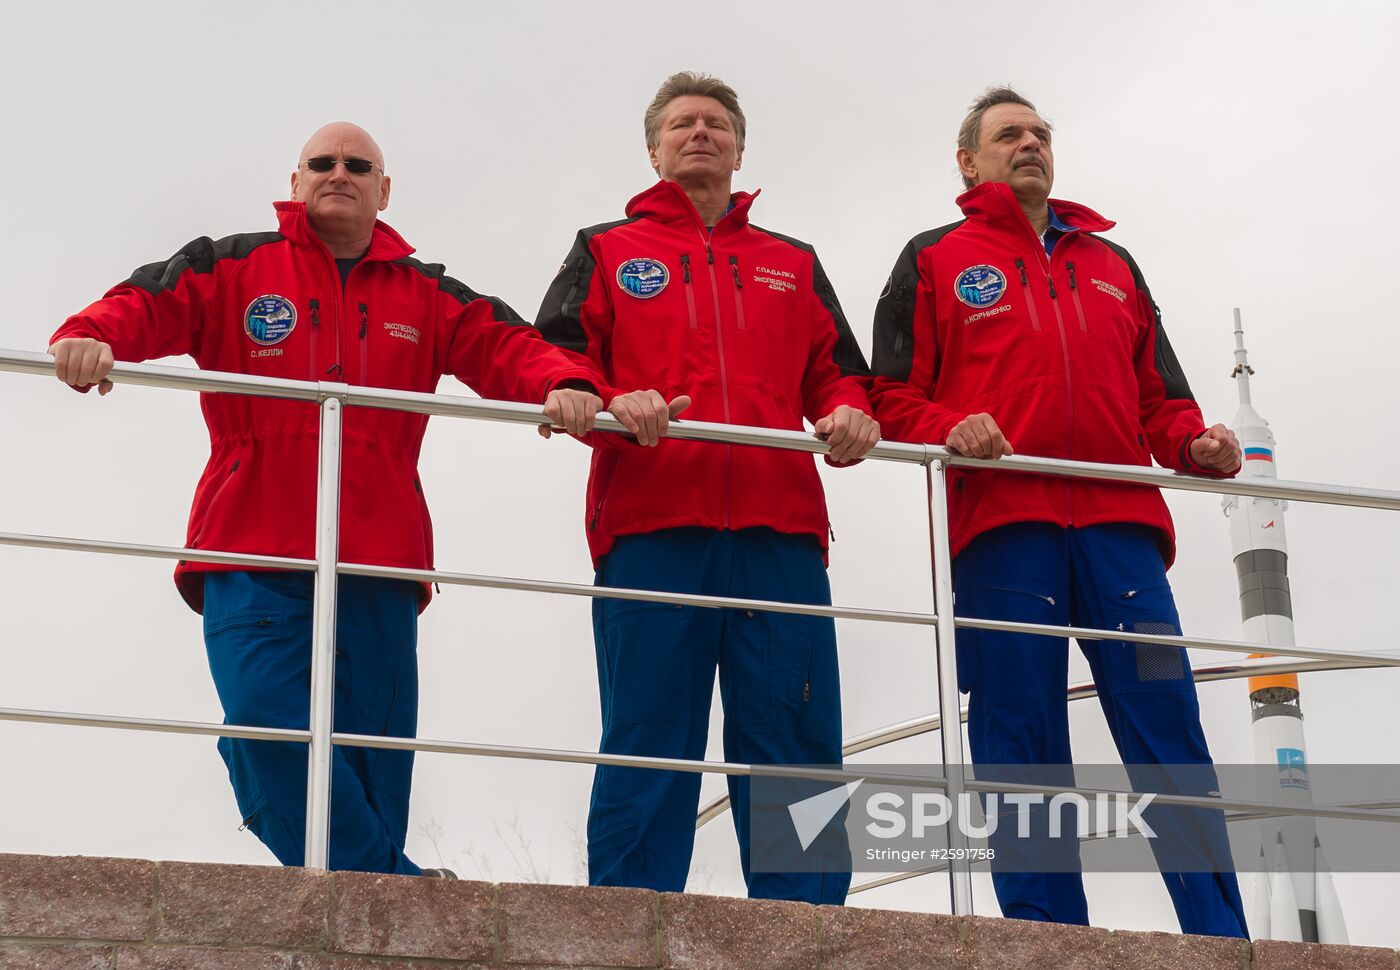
x=384 y=193
x=967 y=165
x=653 y=160
x=294 y=185
x=738 y=161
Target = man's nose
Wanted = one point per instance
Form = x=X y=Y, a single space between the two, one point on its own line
x=700 y=130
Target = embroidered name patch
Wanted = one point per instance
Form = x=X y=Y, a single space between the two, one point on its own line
x=778 y=280
x=403 y=331
x=1118 y=294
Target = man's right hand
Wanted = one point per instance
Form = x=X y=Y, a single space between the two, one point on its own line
x=647 y=414
x=977 y=436
x=83 y=361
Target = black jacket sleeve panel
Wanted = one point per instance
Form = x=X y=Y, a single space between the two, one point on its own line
x=199 y=255
x=907 y=353
x=161 y=309
x=895 y=310
x=893 y=353
x=502 y=312
x=846 y=355
x=560 y=320
x=1164 y=358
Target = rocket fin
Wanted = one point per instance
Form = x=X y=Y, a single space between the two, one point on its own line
x=1260 y=905
x=1331 y=924
x=1284 y=921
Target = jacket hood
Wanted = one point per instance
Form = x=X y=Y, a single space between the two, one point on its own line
x=995 y=202
x=385 y=243
x=667 y=202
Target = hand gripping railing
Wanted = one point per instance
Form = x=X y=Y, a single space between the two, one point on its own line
x=333 y=397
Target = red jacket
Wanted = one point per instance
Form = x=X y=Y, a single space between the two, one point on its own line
x=1066 y=352
x=272 y=304
x=744 y=321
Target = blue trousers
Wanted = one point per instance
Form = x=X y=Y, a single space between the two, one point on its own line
x=257 y=630
x=779 y=685
x=1107 y=577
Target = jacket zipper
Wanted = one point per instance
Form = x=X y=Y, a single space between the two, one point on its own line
x=689 y=292
x=1030 y=297
x=1069 y=389
x=899 y=334
x=1078 y=304
x=335 y=370
x=1046 y=266
x=364 y=345
x=573 y=290
x=738 y=290
x=723 y=383
x=315 y=333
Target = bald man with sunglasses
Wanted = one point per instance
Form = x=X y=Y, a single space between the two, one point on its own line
x=332 y=295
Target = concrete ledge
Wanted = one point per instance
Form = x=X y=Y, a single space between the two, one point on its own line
x=122 y=914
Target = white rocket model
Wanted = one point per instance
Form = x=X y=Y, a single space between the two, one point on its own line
x=1294 y=879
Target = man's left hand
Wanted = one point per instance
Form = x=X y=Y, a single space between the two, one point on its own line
x=1217 y=450
x=571 y=411
x=849 y=431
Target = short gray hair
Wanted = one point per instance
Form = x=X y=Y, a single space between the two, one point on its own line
x=684 y=83
x=970 y=131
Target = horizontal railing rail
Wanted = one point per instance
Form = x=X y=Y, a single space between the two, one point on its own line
x=928 y=723
x=1326 y=654
x=695 y=766
x=332 y=397
x=183 y=378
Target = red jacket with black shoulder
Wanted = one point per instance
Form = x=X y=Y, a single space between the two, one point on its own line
x=272 y=304
x=744 y=321
x=1066 y=352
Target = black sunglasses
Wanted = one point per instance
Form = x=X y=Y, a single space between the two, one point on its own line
x=355 y=166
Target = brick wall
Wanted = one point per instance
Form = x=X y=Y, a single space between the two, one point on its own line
x=125 y=914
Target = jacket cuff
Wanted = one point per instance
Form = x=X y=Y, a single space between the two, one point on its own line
x=944 y=426
x=851 y=397
x=579 y=378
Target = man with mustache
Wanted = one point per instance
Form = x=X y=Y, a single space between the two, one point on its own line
x=688 y=293
x=1021 y=326
x=333 y=294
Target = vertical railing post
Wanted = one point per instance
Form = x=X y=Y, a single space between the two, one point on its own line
x=318 y=772
x=949 y=705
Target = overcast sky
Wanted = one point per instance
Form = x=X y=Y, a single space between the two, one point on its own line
x=1247 y=150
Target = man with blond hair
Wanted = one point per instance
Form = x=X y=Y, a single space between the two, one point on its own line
x=1020 y=325
x=687 y=297
x=332 y=294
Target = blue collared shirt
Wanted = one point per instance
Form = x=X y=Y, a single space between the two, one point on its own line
x=1057 y=228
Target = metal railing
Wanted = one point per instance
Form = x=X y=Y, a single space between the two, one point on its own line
x=332 y=398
